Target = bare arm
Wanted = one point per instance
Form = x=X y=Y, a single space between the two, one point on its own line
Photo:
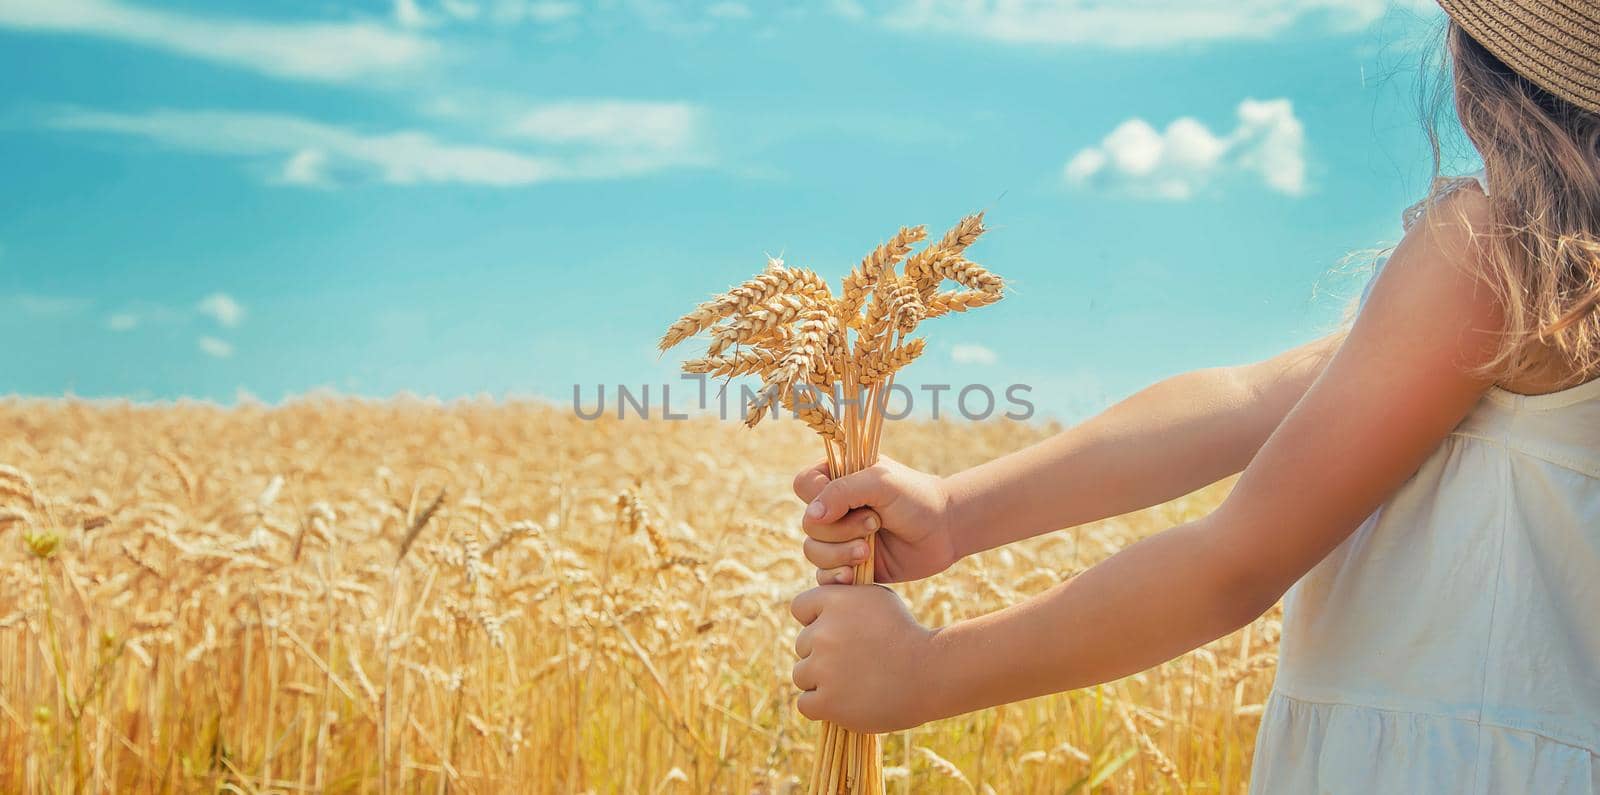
x=1163 y=442
x=1396 y=388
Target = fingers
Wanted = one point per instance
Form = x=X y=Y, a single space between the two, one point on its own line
x=858 y=523
x=840 y=575
x=825 y=555
x=807 y=606
x=808 y=484
x=810 y=704
x=803 y=642
x=802 y=675
x=867 y=487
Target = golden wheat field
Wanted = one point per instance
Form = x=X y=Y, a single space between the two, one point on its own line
x=341 y=595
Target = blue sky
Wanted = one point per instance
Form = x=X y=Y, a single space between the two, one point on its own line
x=463 y=197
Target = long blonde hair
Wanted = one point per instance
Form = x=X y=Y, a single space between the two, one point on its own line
x=1542 y=250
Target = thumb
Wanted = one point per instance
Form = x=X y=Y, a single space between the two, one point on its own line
x=839 y=496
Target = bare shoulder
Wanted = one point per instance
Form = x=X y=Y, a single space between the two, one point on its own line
x=1451 y=228
x=1437 y=281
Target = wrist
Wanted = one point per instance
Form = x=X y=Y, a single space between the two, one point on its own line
x=959 y=525
x=945 y=676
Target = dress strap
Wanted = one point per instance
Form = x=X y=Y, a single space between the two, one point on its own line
x=1443 y=187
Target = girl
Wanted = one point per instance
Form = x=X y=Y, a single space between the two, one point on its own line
x=1428 y=483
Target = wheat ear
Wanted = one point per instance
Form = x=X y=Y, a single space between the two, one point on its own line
x=883 y=365
x=776 y=281
x=958 y=301
x=861 y=280
x=968 y=274
x=961 y=236
x=753 y=326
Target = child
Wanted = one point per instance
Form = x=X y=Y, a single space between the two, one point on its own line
x=1428 y=483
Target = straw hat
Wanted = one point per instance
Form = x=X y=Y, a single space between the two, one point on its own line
x=1553 y=43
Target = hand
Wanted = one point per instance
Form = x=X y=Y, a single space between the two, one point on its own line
x=911 y=509
x=863 y=660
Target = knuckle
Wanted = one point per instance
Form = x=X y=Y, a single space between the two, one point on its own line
x=830 y=492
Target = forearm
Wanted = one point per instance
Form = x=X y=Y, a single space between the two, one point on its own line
x=1163 y=442
x=1149 y=603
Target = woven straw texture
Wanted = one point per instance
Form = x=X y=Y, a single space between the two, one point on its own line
x=1554 y=43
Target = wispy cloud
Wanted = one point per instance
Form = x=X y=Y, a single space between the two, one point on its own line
x=408 y=14
x=312 y=151
x=222 y=308
x=849 y=9
x=728 y=10
x=330 y=51
x=43 y=306
x=617 y=124
x=418 y=14
x=512 y=12
x=1268 y=142
x=970 y=353
x=211 y=346
x=548 y=11
x=1128 y=24
x=586 y=141
x=143 y=314
x=306 y=168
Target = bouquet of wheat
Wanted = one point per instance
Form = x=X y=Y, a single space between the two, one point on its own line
x=832 y=361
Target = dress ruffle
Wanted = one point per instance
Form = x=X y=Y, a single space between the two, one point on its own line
x=1308 y=747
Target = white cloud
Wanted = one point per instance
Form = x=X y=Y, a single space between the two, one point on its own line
x=212 y=346
x=311 y=148
x=588 y=140
x=409 y=15
x=513 y=12
x=969 y=353
x=1126 y=23
x=460 y=9
x=306 y=167
x=1272 y=143
x=728 y=10
x=1268 y=142
x=122 y=321
x=613 y=123
x=222 y=308
x=337 y=51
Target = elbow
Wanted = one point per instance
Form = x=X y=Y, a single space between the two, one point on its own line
x=1241 y=586
x=1240 y=601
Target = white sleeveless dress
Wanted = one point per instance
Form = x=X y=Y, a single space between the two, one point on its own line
x=1452 y=643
